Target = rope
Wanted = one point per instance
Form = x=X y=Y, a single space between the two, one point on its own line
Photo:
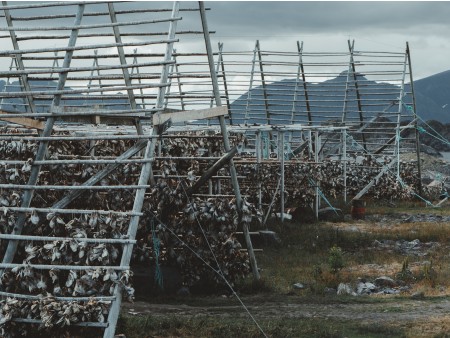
x=403 y=184
x=200 y=226
x=421 y=130
x=438 y=136
x=354 y=144
x=217 y=271
x=266 y=146
x=156 y=250
x=272 y=202
x=321 y=194
x=397 y=136
x=287 y=150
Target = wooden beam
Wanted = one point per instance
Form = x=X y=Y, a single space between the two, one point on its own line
x=183 y=116
x=23 y=121
x=61 y=204
x=384 y=170
x=392 y=139
x=114 y=120
x=213 y=170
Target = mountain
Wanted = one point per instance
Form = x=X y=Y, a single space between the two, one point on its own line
x=326 y=100
x=433 y=97
x=43 y=103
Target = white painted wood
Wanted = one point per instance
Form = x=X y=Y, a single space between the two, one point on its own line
x=23 y=121
x=183 y=116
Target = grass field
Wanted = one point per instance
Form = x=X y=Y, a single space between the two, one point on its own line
x=320 y=256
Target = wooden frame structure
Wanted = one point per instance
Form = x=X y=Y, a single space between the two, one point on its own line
x=370 y=93
x=97 y=71
x=48 y=97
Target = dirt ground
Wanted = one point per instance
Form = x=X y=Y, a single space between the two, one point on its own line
x=425 y=317
x=286 y=306
x=416 y=314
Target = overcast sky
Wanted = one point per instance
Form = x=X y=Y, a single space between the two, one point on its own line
x=326 y=26
x=323 y=26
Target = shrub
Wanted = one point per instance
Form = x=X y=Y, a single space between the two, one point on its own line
x=335 y=259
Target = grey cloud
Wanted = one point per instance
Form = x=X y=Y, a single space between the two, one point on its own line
x=307 y=17
x=278 y=18
x=320 y=24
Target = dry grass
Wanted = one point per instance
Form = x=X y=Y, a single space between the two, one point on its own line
x=432 y=327
x=148 y=326
x=409 y=207
x=304 y=257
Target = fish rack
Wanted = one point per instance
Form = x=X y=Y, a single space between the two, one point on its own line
x=346 y=88
x=368 y=93
x=70 y=73
x=105 y=79
x=279 y=164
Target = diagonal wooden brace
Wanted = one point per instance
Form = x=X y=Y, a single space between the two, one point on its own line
x=212 y=171
x=61 y=204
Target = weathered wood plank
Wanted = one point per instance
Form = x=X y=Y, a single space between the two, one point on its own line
x=23 y=121
x=212 y=171
x=183 y=116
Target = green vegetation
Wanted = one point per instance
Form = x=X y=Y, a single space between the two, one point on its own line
x=336 y=259
x=320 y=256
x=405 y=274
x=148 y=326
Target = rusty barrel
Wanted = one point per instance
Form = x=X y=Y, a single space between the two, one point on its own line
x=358 y=209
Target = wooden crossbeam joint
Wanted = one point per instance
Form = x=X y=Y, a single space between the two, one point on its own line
x=183 y=116
x=23 y=121
x=212 y=171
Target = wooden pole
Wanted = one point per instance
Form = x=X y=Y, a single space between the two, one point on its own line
x=42 y=150
x=23 y=121
x=351 y=48
x=226 y=141
x=212 y=171
x=419 y=164
x=281 y=154
x=344 y=154
x=316 y=159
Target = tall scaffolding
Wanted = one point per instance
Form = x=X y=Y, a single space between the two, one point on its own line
x=368 y=94
x=367 y=91
x=98 y=75
x=79 y=71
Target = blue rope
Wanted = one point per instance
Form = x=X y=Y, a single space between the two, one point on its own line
x=437 y=135
x=156 y=249
x=439 y=138
x=421 y=130
x=287 y=150
x=314 y=184
x=434 y=130
x=266 y=145
x=403 y=184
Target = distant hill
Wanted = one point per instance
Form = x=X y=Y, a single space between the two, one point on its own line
x=43 y=104
x=325 y=99
x=432 y=99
